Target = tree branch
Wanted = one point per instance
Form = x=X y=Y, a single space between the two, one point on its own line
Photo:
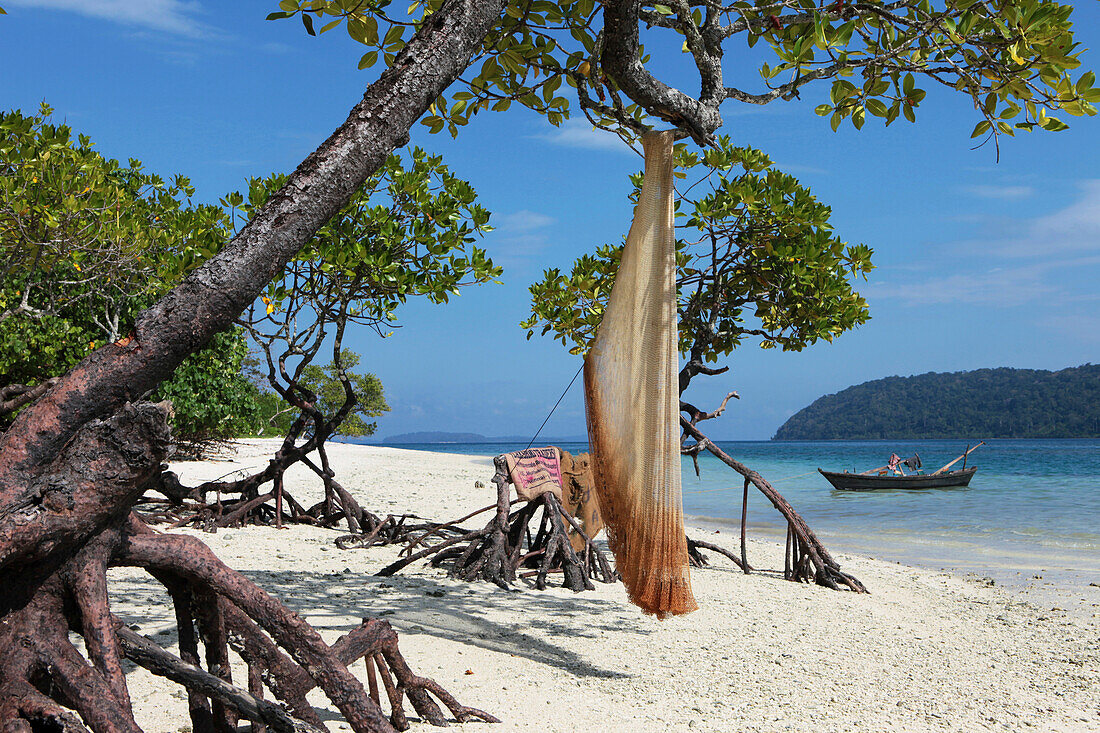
x=211 y=297
x=621 y=59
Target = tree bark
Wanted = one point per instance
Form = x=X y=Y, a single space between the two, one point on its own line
x=74 y=462
x=212 y=296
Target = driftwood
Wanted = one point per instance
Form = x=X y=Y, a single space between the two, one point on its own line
x=534 y=538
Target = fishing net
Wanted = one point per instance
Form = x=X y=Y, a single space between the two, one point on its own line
x=632 y=402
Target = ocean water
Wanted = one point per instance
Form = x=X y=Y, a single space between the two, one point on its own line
x=1033 y=507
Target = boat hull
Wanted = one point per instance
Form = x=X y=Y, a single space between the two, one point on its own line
x=864 y=482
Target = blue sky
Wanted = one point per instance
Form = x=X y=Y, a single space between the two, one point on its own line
x=980 y=263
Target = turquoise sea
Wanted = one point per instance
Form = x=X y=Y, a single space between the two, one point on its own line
x=1033 y=507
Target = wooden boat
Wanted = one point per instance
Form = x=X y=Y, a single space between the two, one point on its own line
x=880 y=478
x=864 y=482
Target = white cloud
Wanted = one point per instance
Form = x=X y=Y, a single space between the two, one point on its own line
x=997 y=286
x=523 y=221
x=986 y=191
x=276 y=48
x=176 y=17
x=1001 y=286
x=580 y=134
x=1081 y=326
x=1073 y=229
x=520 y=240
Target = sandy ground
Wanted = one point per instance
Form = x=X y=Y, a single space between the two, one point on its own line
x=923 y=651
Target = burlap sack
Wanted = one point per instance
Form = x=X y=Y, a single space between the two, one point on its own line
x=580 y=499
x=535 y=471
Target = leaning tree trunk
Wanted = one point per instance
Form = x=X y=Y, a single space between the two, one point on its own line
x=74 y=462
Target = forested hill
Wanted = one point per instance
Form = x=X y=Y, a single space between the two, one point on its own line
x=986 y=403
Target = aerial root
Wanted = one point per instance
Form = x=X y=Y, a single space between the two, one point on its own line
x=806 y=559
x=416 y=688
x=42 y=673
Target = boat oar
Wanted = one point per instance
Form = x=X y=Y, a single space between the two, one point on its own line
x=964 y=455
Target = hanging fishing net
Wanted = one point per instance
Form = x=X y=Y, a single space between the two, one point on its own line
x=632 y=402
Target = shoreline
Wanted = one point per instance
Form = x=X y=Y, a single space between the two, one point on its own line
x=924 y=651
x=1041 y=578
x=993 y=543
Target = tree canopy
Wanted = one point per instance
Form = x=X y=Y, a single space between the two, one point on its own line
x=86 y=244
x=409 y=231
x=83 y=230
x=326 y=382
x=756 y=257
x=1013 y=59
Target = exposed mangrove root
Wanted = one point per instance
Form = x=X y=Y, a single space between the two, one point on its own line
x=806 y=559
x=47 y=684
x=396 y=531
x=244 y=501
x=238 y=503
x=699 y=560
x=535 y=537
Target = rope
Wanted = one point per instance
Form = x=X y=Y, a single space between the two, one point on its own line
x=738 y=488
x=536 y=435
x=697 y=491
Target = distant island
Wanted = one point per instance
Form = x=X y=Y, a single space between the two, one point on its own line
x=985 y=403
x=435 y=436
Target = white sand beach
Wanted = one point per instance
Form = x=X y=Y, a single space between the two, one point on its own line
x=924 y=651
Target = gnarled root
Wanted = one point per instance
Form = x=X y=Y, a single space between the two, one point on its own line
x=699 y=560
x=506 y=545
x=44 y=678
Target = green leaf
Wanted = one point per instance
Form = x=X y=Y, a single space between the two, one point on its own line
x=877 y=108
x=393 y=35
x=980 y=129
x=368 y=59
